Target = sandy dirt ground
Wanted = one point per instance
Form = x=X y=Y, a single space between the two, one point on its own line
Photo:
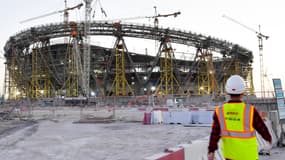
x=59 y=138
x=276 y=154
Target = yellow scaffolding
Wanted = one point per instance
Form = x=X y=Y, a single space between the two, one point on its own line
x=246 y=72
x=72 y=71
x=233 y=68
x=237 y=69
x=249 y=80
x=122 y=87
x=28 y=88
x=168 y=83
x=9 y=85
x=12 y=89
x=72 y=80
x=6 y=82
x=41 y=84
x=206 y=73
x=14 y=75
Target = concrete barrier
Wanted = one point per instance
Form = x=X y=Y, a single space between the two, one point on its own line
x=177 y=117
x=156 y=117
x=202 y=117
x=197 y=150
x=187 y=151
x=269 y=125
x=163 y=109
x=176 y=153
x=167 y=118
x=156 y=156
x=187 y=117
x=180 y=117
x=147 y=118
x=263 y=146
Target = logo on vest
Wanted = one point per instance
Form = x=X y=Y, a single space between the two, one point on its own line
x=232 y=113
x=232 y=118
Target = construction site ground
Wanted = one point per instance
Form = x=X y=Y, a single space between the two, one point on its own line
x=57 y=134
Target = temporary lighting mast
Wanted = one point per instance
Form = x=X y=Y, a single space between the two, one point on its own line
x=260 y=37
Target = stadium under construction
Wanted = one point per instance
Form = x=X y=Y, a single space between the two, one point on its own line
x=37 y=67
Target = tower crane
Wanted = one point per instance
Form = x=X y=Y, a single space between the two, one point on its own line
x=155 y=17
x=175 y=14
x=65 y=11
x=260 y=37
x=2 y=53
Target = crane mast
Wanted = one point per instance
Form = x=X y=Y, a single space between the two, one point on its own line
x=260 y=37
x=260 y=46
x=65 y=15
x=86 y=48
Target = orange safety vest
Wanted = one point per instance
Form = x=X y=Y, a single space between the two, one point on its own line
x=237 y=132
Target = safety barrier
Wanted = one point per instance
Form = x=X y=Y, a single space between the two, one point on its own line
x=176 y=153
x=160 y=109
x=156 y=117
x=202 y=117
x=178 y=117
x=196 y=150
x=147 y=118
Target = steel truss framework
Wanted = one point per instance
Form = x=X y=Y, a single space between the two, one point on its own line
x=55 y=70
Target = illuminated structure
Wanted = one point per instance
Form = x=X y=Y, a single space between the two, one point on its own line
x=37 y=67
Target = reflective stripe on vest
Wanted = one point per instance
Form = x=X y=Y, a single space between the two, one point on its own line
x=247 y=132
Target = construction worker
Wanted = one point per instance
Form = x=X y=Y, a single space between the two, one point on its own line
x=235 y=123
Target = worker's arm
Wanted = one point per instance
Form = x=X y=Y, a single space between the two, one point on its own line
x=215 y=135
x=260 y=126
x=211 y=156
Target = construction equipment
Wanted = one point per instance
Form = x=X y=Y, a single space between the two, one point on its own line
x=260 y=37
x=2 y=58
x=86 y=48
x=65 y=11
x=175 y=14
x=101 y=8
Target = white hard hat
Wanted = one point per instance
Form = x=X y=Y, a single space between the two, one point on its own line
x=235 y=85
